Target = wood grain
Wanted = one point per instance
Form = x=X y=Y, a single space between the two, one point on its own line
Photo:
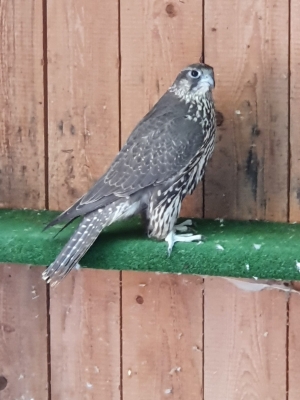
x=294 y=347
x=294 y=112
x=22 y=180
x=244 y=342
x=162 y=336
x=247 y=43
x=83 y=88
x=158 y=39
x=23 y=333
x=85 y=336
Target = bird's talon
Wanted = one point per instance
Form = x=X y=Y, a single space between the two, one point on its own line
x=183 y=226
x=170 y=240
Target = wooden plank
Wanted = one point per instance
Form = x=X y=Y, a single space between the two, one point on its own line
x=244 y=342
x=294 y=112
x=83 y=90
x=162 y=336
x=247 y=43
x=21 y=105
x=166 y=37
x=294 y=347
x=23 y=333
x=85 y=336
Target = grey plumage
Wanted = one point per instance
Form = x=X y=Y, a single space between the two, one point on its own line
x=163 y=160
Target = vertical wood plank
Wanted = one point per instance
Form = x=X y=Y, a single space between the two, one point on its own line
x=158 y=39
x=23 y=333
x=294 y=112
x=244 y=342
x=162 y=336
x=85 y=336
x=83 y=88
x=294 y=347
x=247 y=43
x=21 y=105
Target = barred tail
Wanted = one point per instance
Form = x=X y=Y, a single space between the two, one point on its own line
x=79 y=243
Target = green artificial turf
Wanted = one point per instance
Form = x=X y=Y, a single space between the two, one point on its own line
x=124 y=246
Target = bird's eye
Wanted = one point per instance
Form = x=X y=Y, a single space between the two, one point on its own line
x=194 y=73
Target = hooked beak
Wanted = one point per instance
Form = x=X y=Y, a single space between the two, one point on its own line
x=208 y=79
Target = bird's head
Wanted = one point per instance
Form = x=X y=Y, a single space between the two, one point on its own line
x=194 y=81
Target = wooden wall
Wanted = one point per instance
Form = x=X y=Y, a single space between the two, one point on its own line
x=76 y=77
x=152 y=337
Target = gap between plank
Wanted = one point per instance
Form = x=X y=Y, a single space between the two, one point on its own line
x=202 y=59
x=120 y=72
x=46 y=173
x=45 y=92
x=119 y=146
x=289 y=164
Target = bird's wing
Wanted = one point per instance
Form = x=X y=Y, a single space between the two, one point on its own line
x=161 y=145
x=156 y=151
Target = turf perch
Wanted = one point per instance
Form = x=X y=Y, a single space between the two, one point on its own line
x=124 y=246
x=162 y=161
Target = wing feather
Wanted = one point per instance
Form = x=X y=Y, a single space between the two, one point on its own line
x=162 y=144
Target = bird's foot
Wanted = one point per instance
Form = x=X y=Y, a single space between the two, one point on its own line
x=183 y=226
x=172 y=238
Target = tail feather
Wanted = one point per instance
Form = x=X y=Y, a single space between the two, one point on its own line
x=61 y=229
x=79 y=243
x=65 y=217
x=85 y=235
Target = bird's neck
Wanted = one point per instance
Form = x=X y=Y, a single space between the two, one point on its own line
x=200 y=109
x=191 y=96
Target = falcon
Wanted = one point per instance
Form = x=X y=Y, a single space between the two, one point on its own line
x=162 y=161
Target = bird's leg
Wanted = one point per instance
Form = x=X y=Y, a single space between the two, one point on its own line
x=172 y=238
x=183 y=226
x=144 y=220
